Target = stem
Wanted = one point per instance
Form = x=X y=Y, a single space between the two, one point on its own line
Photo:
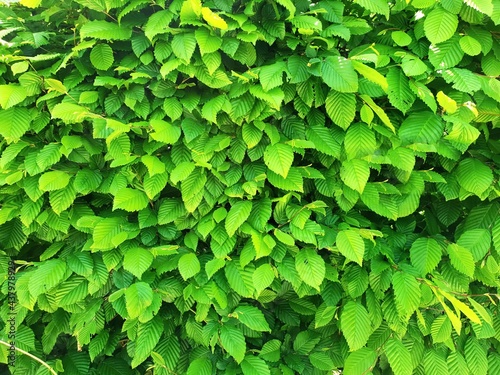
x=31 y=356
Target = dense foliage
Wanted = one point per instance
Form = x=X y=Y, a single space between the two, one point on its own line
x=251 y=187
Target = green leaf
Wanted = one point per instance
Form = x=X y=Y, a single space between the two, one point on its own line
x=154 y=165
x=324 y=315
x=424 y=94
x=192 y=189
x=119 y=146
x=306 y=22
x=401 y=38
x=493 y=362
x=252 y=317
x=11 y=152
x=483 y=312
x=154 y=184
x=263 y=277
x=213 y=19
x=341 y=108
x=208 y=42
x=474 y=176
x=137 y=261
x=360 y=362
x=165 y=132
x=170 y=210
x=138 y=297
x=407 y=293
x=189 y=265
x=62 y=199
x=240 y=278
x=399 y=357
x=284 y=237
x=441 y=329
x=157 y=23
x=293 y=182
x=413 y=66
x=310 y=267
x=98 y=344
x=351 y=245
x=453 y=6
x=375 y=6
x=98 y=5
x=105 y=30
x=355 y=174
x=477 y=241
x=288 y=5
x=233 y=342
x=148 y=336
x=10 y=95
x=173 y=108
x=251 y=135
x=447 y=54
x=421 y=127
x=215 y=80
x=279 y=158
x=237 y=215
x=212 y=107
x=48 y=275
x=440 y=25
x=359 y=141
x=182 y=171
x=70 y=113
x=297 y=67
x=130 y=200
x=271 y=76
x=483 y=6
x=355 y=324
x=183 y=46
x=371 y=74
x=425 y=254
x=339 y=74
x=105 y=231
x=53 y=180
x=456 y=364
x=271 y=351
x=470 y=45
x=463 y=80
x=304 y=342
x=461 y=259
x=399 y=92
x=214 y=265
x=448 y=104
x=15 y=122
x=212 y=61
x=434 y=363
x=321 y=361
x=475 y=354
x=102 y=57
x=253 y=365
x=379 y=111
x=200 y=366
x=48 y=156
x=87 y=181
x=323 y=140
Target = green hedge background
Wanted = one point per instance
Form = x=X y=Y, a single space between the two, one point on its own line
x=250 y=187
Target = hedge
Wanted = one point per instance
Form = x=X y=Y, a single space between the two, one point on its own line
x=249 y=187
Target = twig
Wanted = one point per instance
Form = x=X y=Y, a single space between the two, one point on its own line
x=30 y=355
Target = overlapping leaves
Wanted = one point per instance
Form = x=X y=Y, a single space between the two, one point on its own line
x=258 y=188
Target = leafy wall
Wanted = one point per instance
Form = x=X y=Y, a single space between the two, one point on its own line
x=251 y=187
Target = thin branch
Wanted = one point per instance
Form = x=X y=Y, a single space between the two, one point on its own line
x=31 y=356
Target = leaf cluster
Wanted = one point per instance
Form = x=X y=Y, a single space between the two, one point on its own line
x=251 y=187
